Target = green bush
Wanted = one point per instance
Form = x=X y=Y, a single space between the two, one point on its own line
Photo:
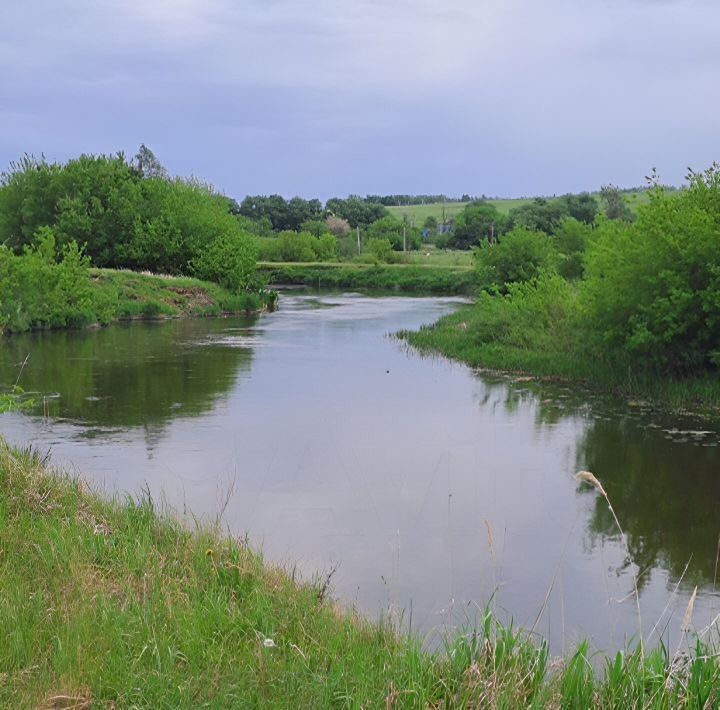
x=520 y=255
x=652 y=288
x=298 y=246
x=391 y=229
x=380 y=250
x=229 y=261
x=36 y=291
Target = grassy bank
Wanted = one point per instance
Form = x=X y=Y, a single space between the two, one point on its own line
x=540 y=339
x=409 y=278
x=102 y=296
x=137 y=295
x=110 y=604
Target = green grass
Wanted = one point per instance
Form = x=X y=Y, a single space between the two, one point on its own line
x=419 y=213
x=408 y=278
x=133 y=295
x=109 y=603
x=427 y=256
x=108 y=295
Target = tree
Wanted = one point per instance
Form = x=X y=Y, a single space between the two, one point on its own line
x=391 y=229
x=615 y=207
x=431 y=224
x=540 y=215
x=356 y=211
x=477 y=222
x=338 y=226
x=148 y=165
x=583 y=207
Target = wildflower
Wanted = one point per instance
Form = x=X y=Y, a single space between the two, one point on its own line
x=269 y=643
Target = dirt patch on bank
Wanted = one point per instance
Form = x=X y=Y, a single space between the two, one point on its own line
x=190 y=300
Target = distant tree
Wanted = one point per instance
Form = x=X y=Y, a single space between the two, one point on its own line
x=381 y=250
x=338 y=226
x=540 y=215
x=431 y=224
x=300 y=210
x=316 y=227
x=614 y=202
x=583 y=207
x=356 y=211
x=477 y=222
x=148 y=165
x=391 y=229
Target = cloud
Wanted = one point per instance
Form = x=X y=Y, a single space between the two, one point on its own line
x=321 y=96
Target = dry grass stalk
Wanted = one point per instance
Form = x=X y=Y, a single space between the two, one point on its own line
x=588 y=477
x=687 y=619
x=491 y=540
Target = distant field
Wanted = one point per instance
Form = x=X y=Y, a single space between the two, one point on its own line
x=420 y=213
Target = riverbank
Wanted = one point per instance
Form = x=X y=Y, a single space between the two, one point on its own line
x=114 y=602
x=407 y=278
x=141 y=295
x=543 y=341
x=104 y=296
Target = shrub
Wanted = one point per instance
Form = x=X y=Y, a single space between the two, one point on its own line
x=36 y=291
x=229 y=261
x=520 y=255
x=380 y=250
x=652 y=288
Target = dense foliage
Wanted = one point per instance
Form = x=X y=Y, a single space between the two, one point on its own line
x=652 y=287
x=402 y=237
x=281 y=213
x=38 y=291
x=521 y=255
x=355 y=211
x=299 y=247
x=477 y=222
x=617 y=302
x=125 y=216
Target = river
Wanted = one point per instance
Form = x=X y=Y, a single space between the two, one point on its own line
x=425 y=490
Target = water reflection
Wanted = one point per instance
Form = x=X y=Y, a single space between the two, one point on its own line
x=666 y=495
x=141 y=374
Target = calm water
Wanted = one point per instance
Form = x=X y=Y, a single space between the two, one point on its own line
x=428 y=487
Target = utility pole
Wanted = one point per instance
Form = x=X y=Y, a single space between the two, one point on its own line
x=357 y=230
x=404 y=237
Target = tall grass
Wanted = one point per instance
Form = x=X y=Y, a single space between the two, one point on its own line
x=115 y=604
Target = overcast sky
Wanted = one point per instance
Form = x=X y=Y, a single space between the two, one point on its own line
x=330 y=97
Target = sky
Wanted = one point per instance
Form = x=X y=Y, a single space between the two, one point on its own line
x=319 y=98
